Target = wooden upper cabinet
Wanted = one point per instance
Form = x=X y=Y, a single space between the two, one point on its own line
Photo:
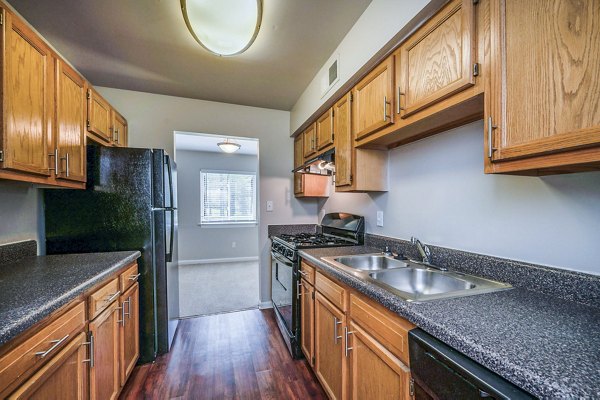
x=438 y=60
x=373 y=100
x=104 y=373
x=544 y=108
x=119 y=129
x=325 y=130
x=65 y=376
x=298 y=151
x=28 y=99
x=70 y=123
x=344 y=146
x=310 y=140
x=99 y=117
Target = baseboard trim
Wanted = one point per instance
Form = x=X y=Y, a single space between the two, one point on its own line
x=217 y=260
x=265 y=305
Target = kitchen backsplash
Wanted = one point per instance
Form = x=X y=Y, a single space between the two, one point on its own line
x=15 y=251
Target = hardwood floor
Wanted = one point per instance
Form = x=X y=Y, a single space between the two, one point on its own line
x=238 y=355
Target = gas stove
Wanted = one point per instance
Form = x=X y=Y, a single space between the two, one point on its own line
x=337 y=229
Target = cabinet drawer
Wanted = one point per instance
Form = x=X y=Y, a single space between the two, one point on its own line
x=331 y=290
x=102 y=297
x=129 y=277
x=389 y=329
x=308 y=272
x=19 y=363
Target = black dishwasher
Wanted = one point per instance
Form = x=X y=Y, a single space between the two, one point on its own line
x=440 y=372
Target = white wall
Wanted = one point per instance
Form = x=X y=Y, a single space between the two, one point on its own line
x=376 y=26
x=439 y=193
x=212 y=242
x=153 y=119
x=21 y=217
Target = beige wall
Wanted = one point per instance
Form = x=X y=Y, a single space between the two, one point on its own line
x=153 y=119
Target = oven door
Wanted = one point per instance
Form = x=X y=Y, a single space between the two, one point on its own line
x=282 y=289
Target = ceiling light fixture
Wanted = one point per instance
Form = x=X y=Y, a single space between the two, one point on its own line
x=223 y=27
x=229 y=147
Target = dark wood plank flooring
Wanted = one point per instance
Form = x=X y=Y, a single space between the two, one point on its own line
x=238 y=355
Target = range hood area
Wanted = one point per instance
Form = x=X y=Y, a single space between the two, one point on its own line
x=322 y=164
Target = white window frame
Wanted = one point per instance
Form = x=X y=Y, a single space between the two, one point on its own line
x=230 y=223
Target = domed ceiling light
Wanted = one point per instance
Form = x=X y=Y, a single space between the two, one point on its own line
x=223 y=27
x=229 y=147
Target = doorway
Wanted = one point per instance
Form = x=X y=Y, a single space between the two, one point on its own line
x=218 y=223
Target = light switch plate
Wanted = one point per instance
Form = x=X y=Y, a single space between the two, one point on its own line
x=269 y=205
x=379 y=218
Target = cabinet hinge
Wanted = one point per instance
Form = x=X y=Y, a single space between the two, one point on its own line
x=476 y=69
x=88 y=124
x=313 y=295
x=332 y=136
x=1 y=155
x=1 y=17
x=88 y=94
x=412 y=387
x=475 y=1
x=313 y=360
x=351 y=97
x=350 y=178
x=332 y=113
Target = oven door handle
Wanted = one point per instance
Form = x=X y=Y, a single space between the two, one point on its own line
x=282 y=260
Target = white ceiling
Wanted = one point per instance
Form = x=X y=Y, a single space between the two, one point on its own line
x=200 y=142
x=145 y=46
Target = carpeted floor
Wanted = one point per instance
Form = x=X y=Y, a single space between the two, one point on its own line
x=206 y=289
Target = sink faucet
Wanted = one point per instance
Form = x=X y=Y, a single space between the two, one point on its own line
x=423 y=250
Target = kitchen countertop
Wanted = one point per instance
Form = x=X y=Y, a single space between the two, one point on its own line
x=32 y=288
x=548 y=346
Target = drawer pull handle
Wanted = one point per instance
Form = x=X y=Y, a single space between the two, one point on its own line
x=57 y=343
x=134 y=277
x=302 y=273
x=336 y=322
x=113 y=296
x=346 y=347
x=91 y=360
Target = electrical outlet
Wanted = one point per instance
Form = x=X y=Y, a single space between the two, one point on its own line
x=379 y=218
x=269 y=205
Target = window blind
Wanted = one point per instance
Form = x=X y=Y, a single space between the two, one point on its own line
x=227 y=197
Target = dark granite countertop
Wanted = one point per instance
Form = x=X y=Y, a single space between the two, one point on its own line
x=548 y=346
x=34 y=287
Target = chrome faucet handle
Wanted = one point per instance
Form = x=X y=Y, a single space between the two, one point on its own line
x=387 y=251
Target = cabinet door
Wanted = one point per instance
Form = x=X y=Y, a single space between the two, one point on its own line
x=437 y=61
x=307 y=320
x=104 y=371
x=310 y=145
x=372 y=99
x=129 y=335
x=99 y=117
x=119 y=129
x=28 y=99
x=70 y=123
x=343 y=142
x=545 y=85
x=298 y=151
x=63 y=377
x=330 y=362
x=375 y=373
x=325 y=130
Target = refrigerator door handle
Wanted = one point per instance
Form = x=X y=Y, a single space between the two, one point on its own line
x=170 y=173
x=169 y=254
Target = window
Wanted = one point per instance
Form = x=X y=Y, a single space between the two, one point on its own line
x=227 y=197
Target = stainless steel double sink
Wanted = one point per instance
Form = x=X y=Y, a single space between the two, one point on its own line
x=414 y=281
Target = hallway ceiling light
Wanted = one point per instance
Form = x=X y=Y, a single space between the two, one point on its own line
x=229 y=147
x=223 y=27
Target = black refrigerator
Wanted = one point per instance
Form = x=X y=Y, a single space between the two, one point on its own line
x=130 y=203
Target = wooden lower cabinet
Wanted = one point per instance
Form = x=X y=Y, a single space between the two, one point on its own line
x=63 y=377
x=129 y=332
x=307 y=320
x=374 y=372
x=104 y=371
x=330 y=360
